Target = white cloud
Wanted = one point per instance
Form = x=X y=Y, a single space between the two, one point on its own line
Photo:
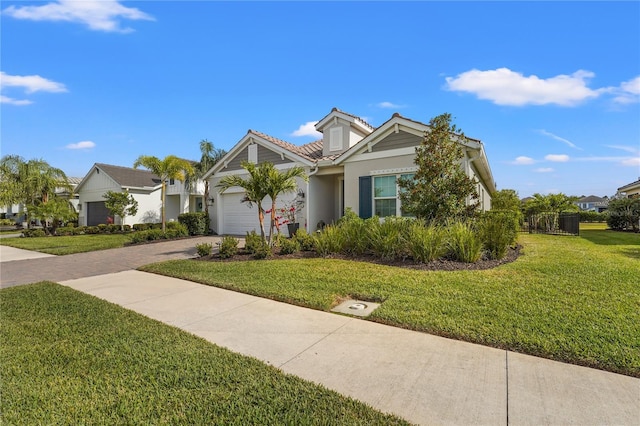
x=522 y=160
x=624 y=148
x=11 y=101
x=99 y=15
x=31 y=83
x=558 y=138
x=307 y=129
x=81 y=145
x=628 y=92
x=633 y=161
x=389 y=105
x=544 y=170
x=557 y=158
x=505 y=87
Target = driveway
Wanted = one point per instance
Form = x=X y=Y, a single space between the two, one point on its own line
x=24 y=267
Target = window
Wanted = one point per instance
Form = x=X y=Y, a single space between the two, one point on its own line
x=385 y=195
x=172 y=181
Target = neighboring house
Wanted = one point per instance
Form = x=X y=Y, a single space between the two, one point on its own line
x=145 y=187
x=354 y=166
x=73 y=195
x=593 y=203
x=631 y=190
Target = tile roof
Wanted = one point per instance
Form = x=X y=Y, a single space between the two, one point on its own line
x=74 y=180
x=126 y=176
x=311 y=151
x=355 y=117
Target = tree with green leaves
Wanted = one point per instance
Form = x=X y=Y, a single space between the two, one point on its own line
x=171 y=167
x=440 y=189
x=210 y=155
x=255 y=188
x=121 y=204
x=551 y=203
x=281 y=182
x=29 y=182
x=53 y=213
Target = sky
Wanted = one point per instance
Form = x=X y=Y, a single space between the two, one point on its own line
x=552 y=89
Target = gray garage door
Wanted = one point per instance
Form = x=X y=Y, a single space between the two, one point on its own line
x=97 y=213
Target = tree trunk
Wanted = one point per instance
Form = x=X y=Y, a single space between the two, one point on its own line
x=162 y=208
x=261 y=219
x=273 y=219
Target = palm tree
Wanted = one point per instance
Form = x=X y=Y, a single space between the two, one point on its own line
x=280 y=183
x=171 y=167
x=209 y=157
x=255 y=188
x=29 y=182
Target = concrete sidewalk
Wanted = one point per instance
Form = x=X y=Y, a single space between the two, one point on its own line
x=10 y=254
x=422 y=378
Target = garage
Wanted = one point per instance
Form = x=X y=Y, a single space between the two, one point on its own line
x=97 y=213
x=238 y=218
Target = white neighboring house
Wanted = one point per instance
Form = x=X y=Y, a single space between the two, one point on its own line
x=354 y=166
x=593 y=203
x=145 y=187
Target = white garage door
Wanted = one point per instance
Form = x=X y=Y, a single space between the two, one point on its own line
x=238 y=218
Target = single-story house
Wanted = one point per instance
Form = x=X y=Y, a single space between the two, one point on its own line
x=145 y=187
x=593 y=203
x=630 y=190
x=354 y=165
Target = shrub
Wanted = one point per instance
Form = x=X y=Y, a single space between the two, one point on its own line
x=32 y=233
x=92 y=230
x=140 y=226
x=593 y=217
x=228 y=247
x=252 y=242
x=204 y=249
x=388 y=239
x=113 y=229
x=463 y=244
x=498 y=230
x=426 y=242
x=127 y=228
x=174 y=230
x=197 y=223
x=79 y=230
x=65 y=231
x=354 y=234
x=7 y=222
x=289 y=246
x=329 y=241
x=306 y=241
x=103 y=228
x=624 y=214
x=262 y=250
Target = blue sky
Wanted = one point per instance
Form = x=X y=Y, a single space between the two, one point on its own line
x=552 y=89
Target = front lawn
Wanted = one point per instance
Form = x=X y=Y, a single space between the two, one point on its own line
x=70 y=244
x=574 y=299
x=70 y=358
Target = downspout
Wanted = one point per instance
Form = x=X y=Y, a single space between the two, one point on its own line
x=306 y=205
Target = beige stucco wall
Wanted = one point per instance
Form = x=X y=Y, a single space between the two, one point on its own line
x=354 y=169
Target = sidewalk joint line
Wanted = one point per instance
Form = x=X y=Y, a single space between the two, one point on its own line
x=506 y=365
x=315 y=343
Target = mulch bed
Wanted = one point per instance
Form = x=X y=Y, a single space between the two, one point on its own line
x=437 y=265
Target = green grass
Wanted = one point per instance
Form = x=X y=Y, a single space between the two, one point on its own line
x=70 y=358
x=592 y=226
x=574 y=299
x=70 y=244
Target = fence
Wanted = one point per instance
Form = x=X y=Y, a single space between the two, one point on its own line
x=554 y=223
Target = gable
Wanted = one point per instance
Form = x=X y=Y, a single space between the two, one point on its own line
x=263 y=153
x=398 y=140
